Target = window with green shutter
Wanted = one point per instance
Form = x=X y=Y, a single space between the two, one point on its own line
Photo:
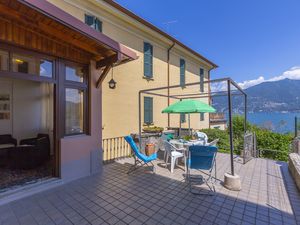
x=201 y=116
x=148 y=60
x=182 y=118
x=201 y=80
x=93 y=22
x=148 y=110
x=182 y=72
x=98 y=25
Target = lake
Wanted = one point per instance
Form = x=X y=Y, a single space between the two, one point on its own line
x=277 y=122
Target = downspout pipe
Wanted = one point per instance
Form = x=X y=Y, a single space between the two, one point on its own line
x=168 y=78
x=209 y=98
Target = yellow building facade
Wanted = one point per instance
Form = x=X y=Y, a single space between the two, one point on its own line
x=120 y=105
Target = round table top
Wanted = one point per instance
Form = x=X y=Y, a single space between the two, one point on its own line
x=184 y=143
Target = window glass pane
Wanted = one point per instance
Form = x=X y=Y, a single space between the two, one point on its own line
x=3 y=60
x=148 y=60
x=24 y=64
x=46 y=68
x=74 y=111
x=89 y=20
x=93 y=22
x=74 y=73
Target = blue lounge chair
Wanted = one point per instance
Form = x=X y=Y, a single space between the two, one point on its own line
x=139 y=157
x=203 y=159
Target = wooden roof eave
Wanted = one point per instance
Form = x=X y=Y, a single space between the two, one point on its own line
x=122 y=53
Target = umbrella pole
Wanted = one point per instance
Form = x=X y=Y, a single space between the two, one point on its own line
x=179 y=133
x=190 y=124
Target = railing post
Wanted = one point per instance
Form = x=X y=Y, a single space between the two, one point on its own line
x=230 y=125
x=115 y=148
x=245 y=115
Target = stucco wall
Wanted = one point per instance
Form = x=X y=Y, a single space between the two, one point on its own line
x=120 y=106
x=81 y=154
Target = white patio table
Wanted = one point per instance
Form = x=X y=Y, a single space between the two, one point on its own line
x=186 y=144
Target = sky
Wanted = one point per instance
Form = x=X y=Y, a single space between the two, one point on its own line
x=251 y=41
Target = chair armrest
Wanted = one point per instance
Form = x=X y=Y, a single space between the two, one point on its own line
x=14 y=141
x=29 y=141
x=8 y=139
x=213 y=143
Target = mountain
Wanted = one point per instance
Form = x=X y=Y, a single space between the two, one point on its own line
x=275 y=96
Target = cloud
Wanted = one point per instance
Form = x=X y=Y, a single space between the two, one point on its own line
x=293 y=74
x=248 y=83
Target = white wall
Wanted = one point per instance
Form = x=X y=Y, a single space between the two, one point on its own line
x=32 y=108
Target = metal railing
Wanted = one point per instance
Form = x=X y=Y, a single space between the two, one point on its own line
x=115 y=148
x=217 y=116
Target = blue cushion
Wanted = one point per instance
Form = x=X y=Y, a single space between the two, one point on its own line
x=137 y=152
x=201 y=157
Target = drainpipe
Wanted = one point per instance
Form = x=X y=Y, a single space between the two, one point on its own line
x=209 y=98
x=168 y=61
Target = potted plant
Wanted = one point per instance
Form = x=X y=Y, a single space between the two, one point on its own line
x=152 y=129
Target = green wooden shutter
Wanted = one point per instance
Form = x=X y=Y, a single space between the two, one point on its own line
x=89 y=20
x=182 y=72
x=182 y=117
x=148 y=60
x=201 y=80
x=148 y=110
x=93 y=22
x=201 y=116
x=98 y=25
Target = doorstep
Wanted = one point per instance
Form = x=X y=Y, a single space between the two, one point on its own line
x=29 y=189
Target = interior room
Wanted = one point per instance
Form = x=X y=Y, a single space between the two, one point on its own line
x=26 y=131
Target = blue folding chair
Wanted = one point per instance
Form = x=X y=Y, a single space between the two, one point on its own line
x=139 y=158
x=203 y=159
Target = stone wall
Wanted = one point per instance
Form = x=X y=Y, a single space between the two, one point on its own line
x=294 y=167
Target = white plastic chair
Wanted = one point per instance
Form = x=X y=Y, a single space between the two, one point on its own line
x=174 y=153
x=202 y=137
x=213 y=143
x=201 y=142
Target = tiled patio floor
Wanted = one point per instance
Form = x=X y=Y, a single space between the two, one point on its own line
x=268 y=196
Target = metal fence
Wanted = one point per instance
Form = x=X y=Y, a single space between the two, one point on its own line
x=250 y=150
x=115 y=148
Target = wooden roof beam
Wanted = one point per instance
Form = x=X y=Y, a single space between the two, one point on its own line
x=103 y=74
x=109 y=60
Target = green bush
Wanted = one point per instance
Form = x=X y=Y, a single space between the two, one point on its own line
x=223 y=137
x=272 y=145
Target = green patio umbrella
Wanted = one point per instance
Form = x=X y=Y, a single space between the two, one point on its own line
x=188 y=106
